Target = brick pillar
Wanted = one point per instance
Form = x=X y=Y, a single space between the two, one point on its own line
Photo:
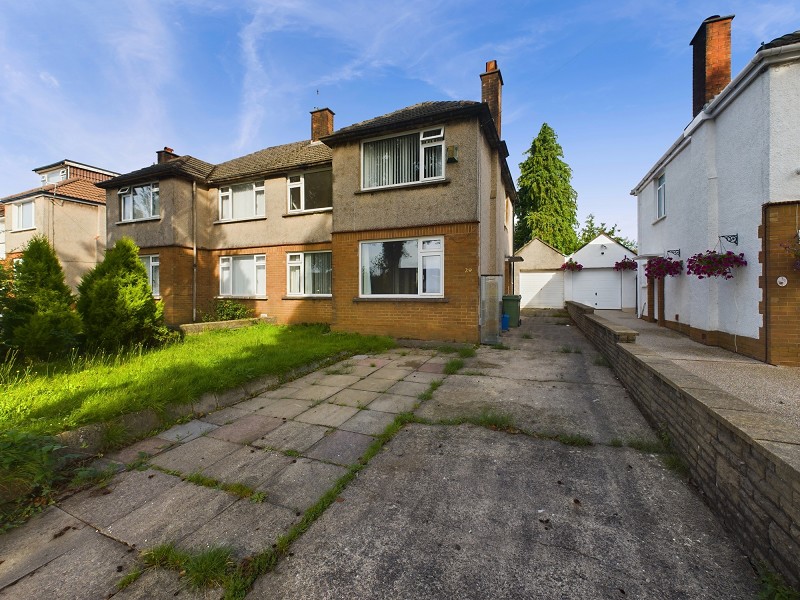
x=661 y=318
x=711 y=60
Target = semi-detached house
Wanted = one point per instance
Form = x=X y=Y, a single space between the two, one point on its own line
x=399 y=225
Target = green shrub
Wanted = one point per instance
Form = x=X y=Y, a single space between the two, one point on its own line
x=37 y=305
x=116 y=302
x=227 y=310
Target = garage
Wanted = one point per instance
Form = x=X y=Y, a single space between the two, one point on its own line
x=541 y=289
x=598 y=288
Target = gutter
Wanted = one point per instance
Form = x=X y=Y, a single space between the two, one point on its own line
x=768 y=56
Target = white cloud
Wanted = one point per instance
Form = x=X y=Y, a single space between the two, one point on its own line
x=49 y=79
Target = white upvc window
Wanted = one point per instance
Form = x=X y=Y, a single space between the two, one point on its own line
x=140 y=202
x=310 y=191
x=661 y=197
x=308 y=273
x=403 y=159
x=242 y=201
x=410 y=267
x=243 y=275
x=151 y=265
x=22 y=216
x=54 y=176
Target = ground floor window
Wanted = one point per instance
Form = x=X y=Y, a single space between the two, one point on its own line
x=151 y=265
x=308 y=273
x=406 y=267
x=243 y=275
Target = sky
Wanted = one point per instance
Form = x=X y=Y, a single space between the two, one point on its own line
x=107 y=83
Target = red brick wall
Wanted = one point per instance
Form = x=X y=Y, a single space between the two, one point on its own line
x=453 y=318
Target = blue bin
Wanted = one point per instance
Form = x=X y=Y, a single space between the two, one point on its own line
x=504 y=321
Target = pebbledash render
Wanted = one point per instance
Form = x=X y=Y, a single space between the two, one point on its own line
x=731 y=181
x=399 y=225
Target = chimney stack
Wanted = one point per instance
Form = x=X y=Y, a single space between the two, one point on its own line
x=711 y=63
x=321 y=123
x=165 y=155
x=492 y=92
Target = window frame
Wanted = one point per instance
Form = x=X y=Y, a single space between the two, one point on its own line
x=420 y=254
x=256 y=187
x=302 y=264
x=151 y=261
x=429 y=142
x=661 y=196
x=127 y=192
x=259 y=262
x=290 y=185
x=17 y=210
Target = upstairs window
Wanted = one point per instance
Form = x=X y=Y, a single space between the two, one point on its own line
x=661 y=197
x=23 y=216
x=308 y=274
x=140 y=202
x=404 y=159
x=54 y=176
x=242 y=201
x=310 y=191
x=151 y=265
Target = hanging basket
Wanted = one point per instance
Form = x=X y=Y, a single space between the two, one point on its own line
x=659 y=267
x=714 y=264
x=571 y=265
x=626 y=264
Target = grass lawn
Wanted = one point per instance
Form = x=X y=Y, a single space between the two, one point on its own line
x=52 y=398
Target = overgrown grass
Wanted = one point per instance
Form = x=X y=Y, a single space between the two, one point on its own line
x=570 y=350
x=432 y=387
x=53 y=397
x=773 y=586
x=665 y=450
x=500 y=346
x=601 y=361
x=453 y=366
x=211 y=567
x=462 y=351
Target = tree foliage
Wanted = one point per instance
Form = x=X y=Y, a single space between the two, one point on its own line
x=591 y=230
x=38 y=318
x=547 y=203
x=116 y=302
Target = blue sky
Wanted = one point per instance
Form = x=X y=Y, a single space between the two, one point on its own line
x=110 y=82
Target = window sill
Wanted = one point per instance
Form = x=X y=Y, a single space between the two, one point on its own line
x=128 y=222
x=403 y=186
x=300 y=213
x=315 y=297
x=226 y=221
x=22 y=230
x=658 y=220
x=401 y=299
x=226 y=297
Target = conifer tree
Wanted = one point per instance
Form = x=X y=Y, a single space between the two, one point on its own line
x=547 y=205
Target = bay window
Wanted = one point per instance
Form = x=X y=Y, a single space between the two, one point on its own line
x=151 y=265
x=23 y=216
x=308 y=273
x=140 y=202
x=310 y=191
x=243 y=275
x=413 y=267
x=242 y=201
x=403 y=159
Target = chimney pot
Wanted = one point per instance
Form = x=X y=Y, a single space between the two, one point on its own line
x=711 y=60
x=321 y=123
x=492 y=92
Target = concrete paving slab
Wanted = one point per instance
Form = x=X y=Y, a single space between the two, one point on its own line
x=369 y=422
x=762 y=426
x=187 y=431
x=292 y=435
x=340 y=381
x=302 y=483
x=373 y=362
x=432 y=367
x=246 y=429
x=330 y=415
x=246 y=527
x=194 y=456
x=90 y=570
x=393 y=373
x=470 y=513
x=390 y=403
x=254 y=404
x=170 y=516
x=408 y=362
x=282 y=392
x=249 y=466
x=373 y=384
x=408 y=388
x=226 y=415
x=43 y=539
x=164 y=584
x=351 y=397
x=285 y=408
x=423 y=377
x=362 y=370
x=341 y=447
x=101 y=506
x=149 y=446
x=308 y=379
x=316 y=393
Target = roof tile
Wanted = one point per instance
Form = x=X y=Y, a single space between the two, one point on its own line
x=75 y=187
x=273 y=160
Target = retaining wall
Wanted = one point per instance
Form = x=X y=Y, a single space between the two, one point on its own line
x=746 y=462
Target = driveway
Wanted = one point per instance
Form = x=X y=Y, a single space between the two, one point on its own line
x=491 y=493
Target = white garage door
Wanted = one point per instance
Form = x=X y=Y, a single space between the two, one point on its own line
x=544 y=289
x=598 y=288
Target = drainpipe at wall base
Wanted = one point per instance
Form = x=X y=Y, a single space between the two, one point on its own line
x=194 y=251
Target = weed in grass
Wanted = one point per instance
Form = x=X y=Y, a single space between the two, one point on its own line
x=466 y=352
x=344 y=369
x=115 y=435
x=202 y=569
x=616 y=443
x=238 y=489
x=500 y=346
x=291 y=452
x=473 y=373
x=432 y=387
x=526 y=336
x=648 y=446
x=140 y=463
x=601 y=361
x=201 y=480
x=129 y=579
x=453 y=366
x=486 y=418
x=573 y=439
x=90 y=476
x=570 y=350
x=258 y=497
x=773 y=586
x=674 y=463
x=447 y=349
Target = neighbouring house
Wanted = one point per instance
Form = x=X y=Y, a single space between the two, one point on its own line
x=2 y=231
x=731 y=181
x=542 y=282
x=399 y=225
x=67 y=209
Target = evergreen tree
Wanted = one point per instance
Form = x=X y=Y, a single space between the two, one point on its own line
x=547 y=205
x=591 y=230
x=116 y=302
